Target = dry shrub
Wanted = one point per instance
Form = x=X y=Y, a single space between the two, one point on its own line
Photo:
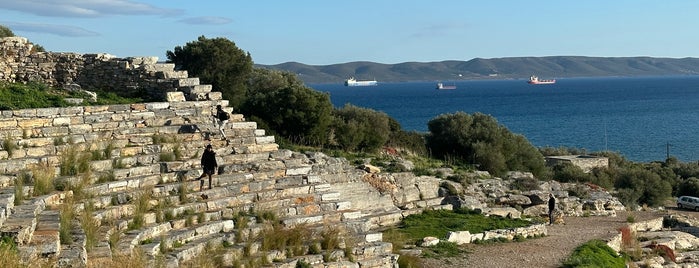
x=380 y=183
x=43 y=175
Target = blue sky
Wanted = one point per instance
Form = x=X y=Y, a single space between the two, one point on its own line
x=321 y=32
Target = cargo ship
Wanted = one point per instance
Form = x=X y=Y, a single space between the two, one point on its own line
x=352 y=82
x=536 y=81
x=441 y=85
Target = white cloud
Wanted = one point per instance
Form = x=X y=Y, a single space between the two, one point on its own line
x=61 y=30
x=207 y=20
x=85 y=8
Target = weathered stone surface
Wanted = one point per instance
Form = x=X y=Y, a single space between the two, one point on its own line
x=459 y=237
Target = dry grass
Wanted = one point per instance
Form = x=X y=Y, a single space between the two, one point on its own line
x=43 y=175
x=137 y=259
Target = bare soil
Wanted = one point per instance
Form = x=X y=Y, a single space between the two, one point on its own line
x=543 y=252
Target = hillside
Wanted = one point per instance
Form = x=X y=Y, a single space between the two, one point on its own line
x=499 y=68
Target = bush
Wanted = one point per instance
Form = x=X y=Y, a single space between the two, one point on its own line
x=480 y=139
x=360 y=129
x=594 y=253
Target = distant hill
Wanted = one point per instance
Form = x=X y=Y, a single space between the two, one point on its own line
x=499 y=68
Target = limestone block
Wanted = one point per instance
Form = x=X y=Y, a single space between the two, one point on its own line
x=187 y=82
x=8 y=123
x=197 y=89
x=514 y=200
x=459 y=237
x=157 y=105
x=370 y=168
x=131 y=151
x=242 y=125
x=352 y=215
x=80 y=128
x=264 y=139
x=373 y=237
x=429 y=241
x=505 y=212
x=70 y=111
x=34 y=123
x=24 y=113
x=175 y=96
x=538 y=210
x=214 y=95
x=344 y=205
x=105 y=126
x=295 y=171
x=649 y=225
x=332 y=196
x=302 y=220
x=101 y=165
x=428 y=186
x=489 y=235
x=228 y=226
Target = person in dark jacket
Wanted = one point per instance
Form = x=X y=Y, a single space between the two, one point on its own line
x=208 y=163
x=552 y=208
x=221 y=121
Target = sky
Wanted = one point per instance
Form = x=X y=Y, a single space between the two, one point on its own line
x=322 y=32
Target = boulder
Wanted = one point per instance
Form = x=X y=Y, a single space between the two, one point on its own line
x=459 y=237
x=505 y=212
x=429 y=241
x=514 y=200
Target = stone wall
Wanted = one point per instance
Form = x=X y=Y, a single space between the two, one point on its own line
x=133 y=76
x=584 y=162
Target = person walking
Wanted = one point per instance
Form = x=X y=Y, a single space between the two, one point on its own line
x=208 y=163
x=552 y=208
x=221 y=120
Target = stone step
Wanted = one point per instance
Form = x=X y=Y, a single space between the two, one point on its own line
x=45 y=241
x=364 y=222
x=185 y=235
x=21 y=224
x=172 y=74
x=195 y=247
x=197 y=89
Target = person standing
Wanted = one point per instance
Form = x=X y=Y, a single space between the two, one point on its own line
x=208 y=163
x=221 y=120
x=552 y=208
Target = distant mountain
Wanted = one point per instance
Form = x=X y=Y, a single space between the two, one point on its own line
x=499 y=68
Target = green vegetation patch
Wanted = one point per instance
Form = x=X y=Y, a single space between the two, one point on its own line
x=438 y=223
x=15 y=96
x=594 y=253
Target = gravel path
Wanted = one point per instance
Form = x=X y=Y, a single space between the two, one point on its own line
x=548 y=251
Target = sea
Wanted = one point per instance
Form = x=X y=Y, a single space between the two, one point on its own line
x=643 y=118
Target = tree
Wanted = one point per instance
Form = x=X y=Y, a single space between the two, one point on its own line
x=5 y=32
x=218 y=62
x=292 y=110
x=361 y=129
x=479 y=139
x=641 y=186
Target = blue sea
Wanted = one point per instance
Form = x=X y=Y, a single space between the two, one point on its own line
x=639 y=117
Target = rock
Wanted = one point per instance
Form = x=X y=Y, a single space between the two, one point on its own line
x=505 y=212
x=370 y=168
x=429 y=241
x=514 y=200
x=459 y=237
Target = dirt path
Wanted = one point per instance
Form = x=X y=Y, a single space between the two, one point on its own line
x=548 y=251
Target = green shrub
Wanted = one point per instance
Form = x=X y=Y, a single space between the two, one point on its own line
x=442 y=249
x=594 y=253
